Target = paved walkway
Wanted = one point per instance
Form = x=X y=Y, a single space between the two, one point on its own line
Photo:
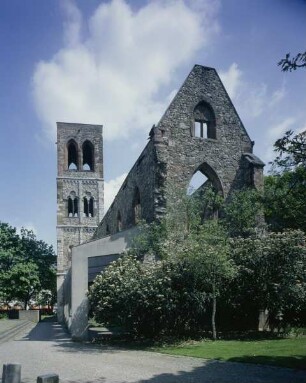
x=47 y=348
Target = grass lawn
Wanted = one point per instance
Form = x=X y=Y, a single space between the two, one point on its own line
x=289 y=352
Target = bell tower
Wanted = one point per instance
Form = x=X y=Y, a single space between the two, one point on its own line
x=80 y=197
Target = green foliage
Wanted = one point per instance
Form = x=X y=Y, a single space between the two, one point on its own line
x=145 y=299
x=244 y=213
x=272 y=270
x=27 y=265
x=284 y=200
x=285 y=188
x=291 y=151
x=150 y=240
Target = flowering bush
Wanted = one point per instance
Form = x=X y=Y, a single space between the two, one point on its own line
x=146 y=298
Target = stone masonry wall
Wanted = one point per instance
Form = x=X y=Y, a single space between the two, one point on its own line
x=79 y=183
x=184 y=154
x=141 y=176
x=174 y=154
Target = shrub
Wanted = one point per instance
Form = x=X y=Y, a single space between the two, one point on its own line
x=147 y=299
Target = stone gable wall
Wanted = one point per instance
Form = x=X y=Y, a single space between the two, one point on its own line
x=174 y=154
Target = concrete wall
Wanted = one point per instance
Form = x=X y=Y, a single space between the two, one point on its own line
x=30 y=315
x=108 y=248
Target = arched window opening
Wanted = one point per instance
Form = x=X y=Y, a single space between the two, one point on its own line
x=72 y=206
x=204 y=121
x=197 y=182
x=206 y=190
x=88 y=207
x=85 y=207
x=75 y=207
x=137 y=206
x=88 y=156
x=72 y=155
x=107 y=230
x=119 y=222
x=91 y=207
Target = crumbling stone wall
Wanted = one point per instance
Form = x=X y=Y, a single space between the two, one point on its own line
x=141 y=176
x=174 y=153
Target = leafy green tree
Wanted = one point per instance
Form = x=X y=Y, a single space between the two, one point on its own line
x=27 y=265
x=243 y=214
x=23 y=279
x=284 y=200
x=285 y=188
x=272 y=271
x=206 y=251
x=291 y=151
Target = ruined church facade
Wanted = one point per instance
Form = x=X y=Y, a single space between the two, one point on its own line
x=200 y=131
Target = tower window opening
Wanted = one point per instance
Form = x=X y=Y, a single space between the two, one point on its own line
x=88 y=156
x=72 y=207
x=72 y=155
x=91 y=207
x=88 y=207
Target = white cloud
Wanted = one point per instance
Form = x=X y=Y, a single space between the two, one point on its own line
x=278 y=95
x=111 y=188
x=73 y=24
x=279 y=129
x=113 y=75
x=276 y=131
x=252 y=99
x=231 y=79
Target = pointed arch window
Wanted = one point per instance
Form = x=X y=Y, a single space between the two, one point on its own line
x=88 y=156
x=137 y=206
x=119 y=222
x=73 y=159
x=204 y=125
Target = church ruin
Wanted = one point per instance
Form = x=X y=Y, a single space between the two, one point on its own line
x=199 y=132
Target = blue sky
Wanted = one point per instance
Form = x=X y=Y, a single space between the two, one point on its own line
x=119 y=63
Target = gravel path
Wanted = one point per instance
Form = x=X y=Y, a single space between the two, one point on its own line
x=47 y=348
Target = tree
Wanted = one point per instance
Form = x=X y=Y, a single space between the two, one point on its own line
x=244 y=213
x=291 y=151
x=285 y=188
x=289 y=64
x=27 y=265
x=284 y=200
x=207 y=252
x=271 y=272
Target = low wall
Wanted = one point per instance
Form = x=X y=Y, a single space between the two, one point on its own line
x=30 y=315
x=104 y=251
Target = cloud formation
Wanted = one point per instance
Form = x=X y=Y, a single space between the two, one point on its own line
x=111 y=188
x=113 y=66
x=252 y=99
